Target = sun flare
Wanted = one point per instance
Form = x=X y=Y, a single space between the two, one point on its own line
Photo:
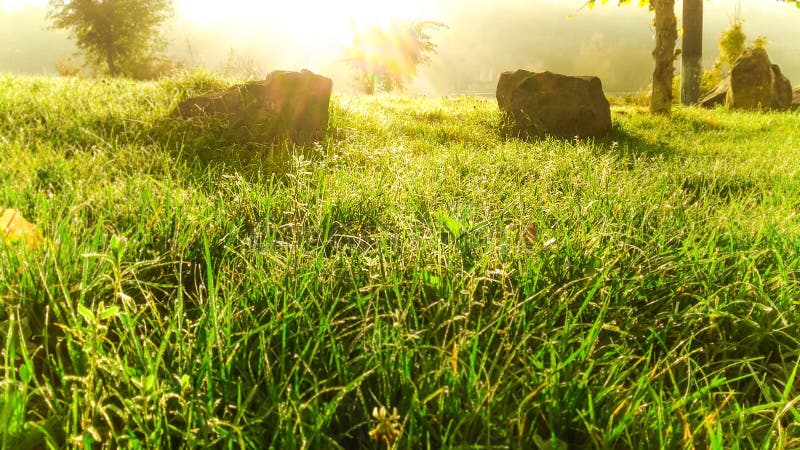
x=306 y=21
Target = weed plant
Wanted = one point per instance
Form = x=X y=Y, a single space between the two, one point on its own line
x=418 y=280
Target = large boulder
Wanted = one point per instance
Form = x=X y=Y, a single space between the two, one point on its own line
x=756 y=83
x=554 y=104
x=796 y=98
x=285 y=104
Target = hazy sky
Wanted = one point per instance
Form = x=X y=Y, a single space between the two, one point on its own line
x=484 y=37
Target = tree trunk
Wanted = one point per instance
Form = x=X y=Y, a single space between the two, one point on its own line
x=692 y=54
x=369 y=82
x=663 y=55
x=111 y=59
x=112 y=67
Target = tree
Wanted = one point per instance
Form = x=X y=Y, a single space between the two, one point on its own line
x=387 y=58
x=692 y=51
x=663 y=55
x=666 y=34
x=118 y=34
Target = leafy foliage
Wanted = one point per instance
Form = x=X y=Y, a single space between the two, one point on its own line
x=385 y=58
x=121 y=35
x=731 y=45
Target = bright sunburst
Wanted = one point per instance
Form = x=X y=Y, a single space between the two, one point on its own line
x=304 y=20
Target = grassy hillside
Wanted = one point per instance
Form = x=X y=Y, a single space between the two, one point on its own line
x=636 y=292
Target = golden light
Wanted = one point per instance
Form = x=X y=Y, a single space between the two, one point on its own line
x=16 y=5
x=321 y=22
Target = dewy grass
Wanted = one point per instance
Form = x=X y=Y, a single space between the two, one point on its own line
x=639 y=291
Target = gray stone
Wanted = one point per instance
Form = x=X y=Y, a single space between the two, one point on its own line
x=285 y=104
x=549 y=103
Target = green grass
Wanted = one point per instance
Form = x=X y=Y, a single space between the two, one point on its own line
x=640 y=291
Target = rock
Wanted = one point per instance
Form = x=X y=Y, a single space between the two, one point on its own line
x=796 y=98
x=285 y=104
x=781 y=89
x=717 y=96
x=555 y=104
x=756 y=83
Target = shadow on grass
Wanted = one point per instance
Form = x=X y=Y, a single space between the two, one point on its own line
x=635 y=133
x=696 y=121
x=618 y=141
x=641 y=134
x=212 y=144
x=725 y=188
x=632 y=145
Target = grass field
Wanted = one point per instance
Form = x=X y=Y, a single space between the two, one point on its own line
x=641 y=291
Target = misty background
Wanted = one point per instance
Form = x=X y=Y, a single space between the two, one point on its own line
x=483 y=39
